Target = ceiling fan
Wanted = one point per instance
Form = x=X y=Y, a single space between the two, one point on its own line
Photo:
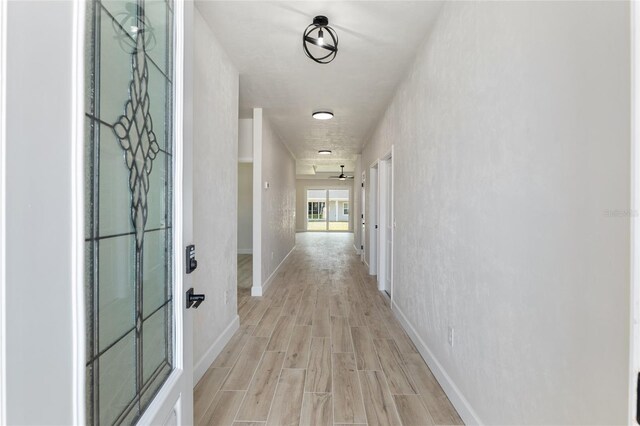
x=342 y=175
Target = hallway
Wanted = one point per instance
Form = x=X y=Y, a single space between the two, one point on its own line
x=321 y=347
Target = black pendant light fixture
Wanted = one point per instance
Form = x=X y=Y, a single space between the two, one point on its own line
x=319 y=35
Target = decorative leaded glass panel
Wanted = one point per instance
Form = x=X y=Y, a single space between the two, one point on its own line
x=128 y=193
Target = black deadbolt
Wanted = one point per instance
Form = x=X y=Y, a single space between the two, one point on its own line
x=192 y=263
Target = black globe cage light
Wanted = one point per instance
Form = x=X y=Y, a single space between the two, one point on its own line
x=315 y=34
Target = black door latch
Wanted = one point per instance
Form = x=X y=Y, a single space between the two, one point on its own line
x=194 y=300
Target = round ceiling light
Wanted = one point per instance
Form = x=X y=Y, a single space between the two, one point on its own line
x=324 y=152
x=322 y=115
x=320 y=41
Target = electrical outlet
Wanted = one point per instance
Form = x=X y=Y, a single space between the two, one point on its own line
x=226 y=297
x=450 y=336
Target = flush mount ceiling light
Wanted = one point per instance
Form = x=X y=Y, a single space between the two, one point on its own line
x=324 y=152
x=320 y=41
x=322 y=115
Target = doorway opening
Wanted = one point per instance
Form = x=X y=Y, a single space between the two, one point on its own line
x=386 y=222
x=328 y=210
x=245 y=231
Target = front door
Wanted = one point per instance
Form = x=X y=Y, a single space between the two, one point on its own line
x=138 y=365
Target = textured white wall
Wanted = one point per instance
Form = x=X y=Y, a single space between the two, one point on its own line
x=245 y=139
x=278 y=202
x=245 y=207
x=215 y=176
x=512 y=140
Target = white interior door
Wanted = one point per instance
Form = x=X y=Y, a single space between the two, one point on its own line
x=382 y=229
x=362 y=218
x=373 y=219
x=388 y=165
x=139 y=360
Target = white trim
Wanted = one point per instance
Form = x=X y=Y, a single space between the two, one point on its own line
x=245 y=160
x=3 y=210
x=269 y=280
x=385 y=173
x=256 y=289
x=154 y=410
x=210 y=355
x=634 y=351
x=356 y=249
x=77 y=214
x=178 y=182
x=466 y=411
x=245 y=251
x=385 y=168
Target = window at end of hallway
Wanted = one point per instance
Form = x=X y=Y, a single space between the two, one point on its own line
x=345 y=208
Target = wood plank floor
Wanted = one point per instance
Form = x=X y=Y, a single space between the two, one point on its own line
x=245 y=271
x=321 y=347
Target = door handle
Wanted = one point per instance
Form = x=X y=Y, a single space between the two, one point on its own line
x=194 y=300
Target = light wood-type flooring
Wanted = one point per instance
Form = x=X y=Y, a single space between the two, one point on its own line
x=321 y=347
x=245 y=271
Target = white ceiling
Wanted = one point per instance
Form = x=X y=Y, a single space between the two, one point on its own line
x=378 y=41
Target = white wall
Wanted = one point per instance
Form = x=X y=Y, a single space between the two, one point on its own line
x=301 y=207
x=215 y=178
x=245 y=139
x=512 y=141
x=41 y=232
x=278 y=201
x=245 y=208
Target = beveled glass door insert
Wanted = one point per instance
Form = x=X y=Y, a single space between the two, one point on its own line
x=129 y=204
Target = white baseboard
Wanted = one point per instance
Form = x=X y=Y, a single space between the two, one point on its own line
x=467 y=413
x=269 y=280
x=259 y=291
x=356 y=249
x=245 y=251
x=214 y=350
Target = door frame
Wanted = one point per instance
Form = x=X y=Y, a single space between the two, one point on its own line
x=634 y=347
x=362 y=223
x=3 y=157
x=373 y=219
x=385 y=198
x=327 y=188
